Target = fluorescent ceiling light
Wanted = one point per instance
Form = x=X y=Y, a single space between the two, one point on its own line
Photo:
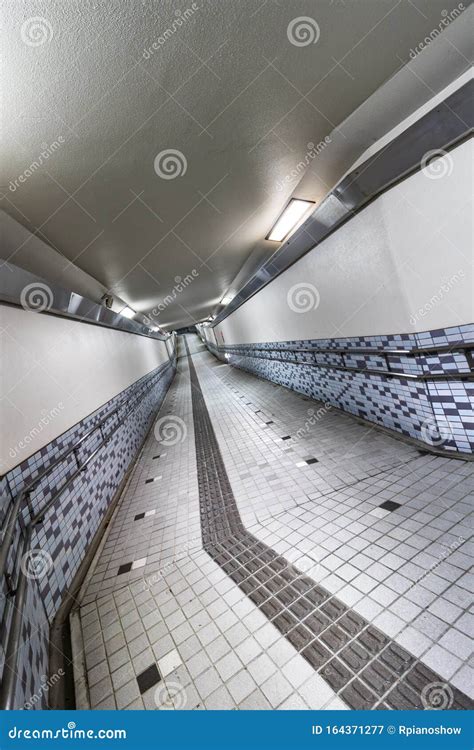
x=127 y=312
x=291 y=218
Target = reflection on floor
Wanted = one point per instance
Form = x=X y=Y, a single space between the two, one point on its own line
x=335 y=571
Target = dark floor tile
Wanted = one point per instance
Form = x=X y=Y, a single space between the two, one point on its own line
x=355 y=656
x=334 y=638
x=316 y=595
x=287 y=595
x=396 y=658
x=336 y=674
x=390 y=505
x=316 y=654
x=301 y=608
x=352 y=623
x=402 y=697
x=358 y=697
x=317 y=622
x=271 y=608
x=124 y=568
x=300 y=637
x=373 y=640
x=378 y=678
x=333 y=608
x=149 y=677
x=285 y=622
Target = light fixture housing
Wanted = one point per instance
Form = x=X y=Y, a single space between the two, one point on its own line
x=289 y=220
x=226 y=299
x=127 y=312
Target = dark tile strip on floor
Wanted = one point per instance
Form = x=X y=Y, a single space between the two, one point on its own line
x=361 y=664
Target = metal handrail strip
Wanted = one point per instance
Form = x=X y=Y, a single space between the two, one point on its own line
x=448 y=349
x=457 y=375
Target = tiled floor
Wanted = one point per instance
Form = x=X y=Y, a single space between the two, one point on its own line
x=164 y=626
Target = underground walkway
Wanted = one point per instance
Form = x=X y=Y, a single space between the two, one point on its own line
x=269 y=552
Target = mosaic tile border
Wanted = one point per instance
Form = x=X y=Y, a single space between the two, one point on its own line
x=365 y=667
x=413 y=408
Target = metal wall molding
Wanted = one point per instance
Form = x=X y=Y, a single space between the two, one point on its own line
x=443 y=128
x=23 y=289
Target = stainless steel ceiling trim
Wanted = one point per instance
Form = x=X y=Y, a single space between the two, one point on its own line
x=32 y=293
x=442 y=128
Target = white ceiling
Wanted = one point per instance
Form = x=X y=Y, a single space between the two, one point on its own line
x=227 y=89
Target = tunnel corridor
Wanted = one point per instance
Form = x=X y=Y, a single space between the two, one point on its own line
x=278 y=572
x=237 y=370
